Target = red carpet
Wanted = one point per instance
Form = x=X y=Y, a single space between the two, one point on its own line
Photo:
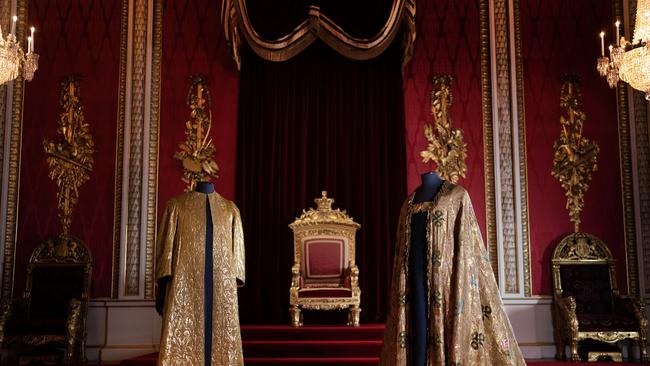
x=314 y=345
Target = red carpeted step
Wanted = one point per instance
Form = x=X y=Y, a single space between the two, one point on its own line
x=145 y=360
x=312 y=332
x=567 y=363
x=309 y=361
x=311 y=348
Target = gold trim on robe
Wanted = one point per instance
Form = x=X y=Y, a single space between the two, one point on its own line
x=181 y=255
x=467 y=322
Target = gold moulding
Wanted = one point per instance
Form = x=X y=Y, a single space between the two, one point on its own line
x=70 y=159
x=197 y=151
x=575 y=156
x=446 y=147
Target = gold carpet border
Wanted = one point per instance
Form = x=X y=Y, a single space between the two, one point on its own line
x=235 y=21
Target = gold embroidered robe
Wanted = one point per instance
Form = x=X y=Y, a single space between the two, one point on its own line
x=467 y=324
x=181 y=255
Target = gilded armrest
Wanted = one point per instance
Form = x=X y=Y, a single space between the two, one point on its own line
x=5 y=313
x=566 y=306
x=74 y=321
x=354 y=276
x=295 y=276
x=12 y=308
x=634 y=306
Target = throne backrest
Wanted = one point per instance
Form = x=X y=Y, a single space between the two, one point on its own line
x=583 y=267
x=324 y=244
x=589 y=285
x=59 y=270
x=325 y=260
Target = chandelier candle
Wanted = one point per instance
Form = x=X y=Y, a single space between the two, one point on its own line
x=618 y=37
x=13 y=25
x=31 y=48
x=602 y=44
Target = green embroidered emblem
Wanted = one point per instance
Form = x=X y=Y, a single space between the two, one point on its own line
x=437 y=299
x=438 y=218
x=402 y=299
x=477 y=340
x=437 y=258
x=436 y=341
x=402 y=339
x=487 y=311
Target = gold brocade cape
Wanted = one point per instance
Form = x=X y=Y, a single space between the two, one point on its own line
x=181 y=255
x=467 y=323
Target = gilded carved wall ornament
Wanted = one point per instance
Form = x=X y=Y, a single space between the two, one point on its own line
x=197 y=151
x=575 y=156
x=70 y=160
x=446 y=146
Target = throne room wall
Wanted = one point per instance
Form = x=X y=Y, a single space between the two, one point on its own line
x=560 y=37
x=136 y=56
x=83 y=38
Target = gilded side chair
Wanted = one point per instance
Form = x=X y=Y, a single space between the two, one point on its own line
x=587 y=303
x=324 y=275
x=54 y=305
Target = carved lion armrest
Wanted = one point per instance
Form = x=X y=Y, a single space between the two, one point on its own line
x=12 y=308
x=74 y=321
x=567 y=310
x=633 y=306
x=354 y=275
x=295 y=276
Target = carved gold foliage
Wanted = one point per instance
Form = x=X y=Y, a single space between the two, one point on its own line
x=70 y=159
x=197 y=151
x=446 y=146
x=575 y=156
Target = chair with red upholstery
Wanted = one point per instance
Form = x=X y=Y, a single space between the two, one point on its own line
x=587 y=304
x=324 y=274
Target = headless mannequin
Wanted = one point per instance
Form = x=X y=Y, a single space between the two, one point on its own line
x=202 y=187
x=431 y=183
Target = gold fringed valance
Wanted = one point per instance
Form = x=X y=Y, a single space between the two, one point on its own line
x=236 y=21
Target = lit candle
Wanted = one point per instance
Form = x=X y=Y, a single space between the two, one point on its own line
x=13 y=25
x=610 y=51
x=29 y=45
x=33 y=39
x=602 y=44
x=618 y=38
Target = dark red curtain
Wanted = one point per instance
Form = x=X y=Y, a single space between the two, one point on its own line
x=318 y=122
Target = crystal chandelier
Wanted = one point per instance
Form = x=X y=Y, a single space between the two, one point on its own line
x=13 y=58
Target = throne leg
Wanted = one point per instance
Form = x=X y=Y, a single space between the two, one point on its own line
x=574 y=350
x=296 y=316
x=559 y=350
x=354 y=313
x=643 y=350
x=70 y=354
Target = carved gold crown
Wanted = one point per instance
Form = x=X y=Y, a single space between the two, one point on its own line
x=324 y=214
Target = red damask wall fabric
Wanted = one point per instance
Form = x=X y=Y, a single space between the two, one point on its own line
x=194 y=44
x=447 y=43
x=561 y=37
x=72 y=37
